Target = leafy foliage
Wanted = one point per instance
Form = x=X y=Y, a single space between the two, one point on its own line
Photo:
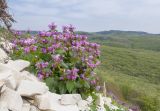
x=64 y=60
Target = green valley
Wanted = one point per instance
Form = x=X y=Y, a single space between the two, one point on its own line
x=131 y=66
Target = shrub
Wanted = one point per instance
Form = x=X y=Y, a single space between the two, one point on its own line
x=64 y=60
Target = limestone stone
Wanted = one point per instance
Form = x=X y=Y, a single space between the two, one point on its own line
x=7 y=45
x=100 y=100
x=83 y=105
x=48 y=101
x=12 y=98
x=51 y=102
x=107 y=100
x=18 y=65
x=3 y=109
x=25 y=75
x=33 y=108
x=1 y=84
x=89 y=99
x=3 y=56
x=3 y=88
x=11 y=82
x=30 y=88
x=70 y=99
x=26 y=107
x=4 y=72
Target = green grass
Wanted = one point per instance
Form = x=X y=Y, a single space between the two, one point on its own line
x=140 y=42
x=133 y=74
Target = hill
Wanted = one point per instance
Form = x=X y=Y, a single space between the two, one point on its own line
x=133 y=75
x=126 y=39
x=130 y=66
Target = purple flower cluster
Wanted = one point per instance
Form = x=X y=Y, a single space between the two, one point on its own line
x=64 y=55
x=72 y=74
x=41 y=65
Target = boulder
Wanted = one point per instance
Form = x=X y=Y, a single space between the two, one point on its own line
x=100 y=101
x=6 y=45
x=12 y=99
x=70 y=99
x=18 y=65
x=29 y=88
x=3 y=88
x=89 y=99
x=4 y=72
x=3 y=109
x=25 y=75
x=51 y=102
x=26 y=107
x=3 y=56
x=33 y=108
x=11 y=82
x=107 y=100
x=1 y=84
x=83 y=105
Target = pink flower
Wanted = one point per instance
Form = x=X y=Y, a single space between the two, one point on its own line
x=41 y=65
x=57 y=58
x=44 y=50
x=52 y=26
x=42 y=33
x=33 y=48
x=26 y=49
x=72 y=74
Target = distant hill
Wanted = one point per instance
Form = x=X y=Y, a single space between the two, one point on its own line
x=122 y=32
x=126 y=39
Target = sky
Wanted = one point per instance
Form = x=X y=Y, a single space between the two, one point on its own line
x=87 y=15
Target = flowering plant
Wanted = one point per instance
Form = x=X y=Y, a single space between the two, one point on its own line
x=64 y=60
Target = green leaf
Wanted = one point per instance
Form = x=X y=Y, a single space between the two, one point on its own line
x=50 y=82
x=86 y=85
x=62 y=88
x=60 y=51
x=64 y=65
x=70 y=86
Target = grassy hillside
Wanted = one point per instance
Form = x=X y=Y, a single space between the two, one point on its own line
x=134 y=73
x=126 y=39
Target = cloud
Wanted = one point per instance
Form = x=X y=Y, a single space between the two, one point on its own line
x=88 y=15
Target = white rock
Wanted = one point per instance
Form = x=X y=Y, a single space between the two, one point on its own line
x=5 y=72
x=33 y=108
x=26 y=107
x=11 y=82
x=25 y=75
x=51 y=102
x=89 y=99
x=43 y=102
x=3 y=109
x=100 y=101
x=13 y=99
x=107 y=100
x=30 y=88
x=3 y=88
x=70 y=99
x=113 y=107
x=7 y=45
x=3 y=104
x=18 y=65
x=101 y=108
x=47 y=101
x=3 y=55
x=1 y=84
x=83 y=105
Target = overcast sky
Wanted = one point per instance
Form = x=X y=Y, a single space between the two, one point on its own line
x=88 y=15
